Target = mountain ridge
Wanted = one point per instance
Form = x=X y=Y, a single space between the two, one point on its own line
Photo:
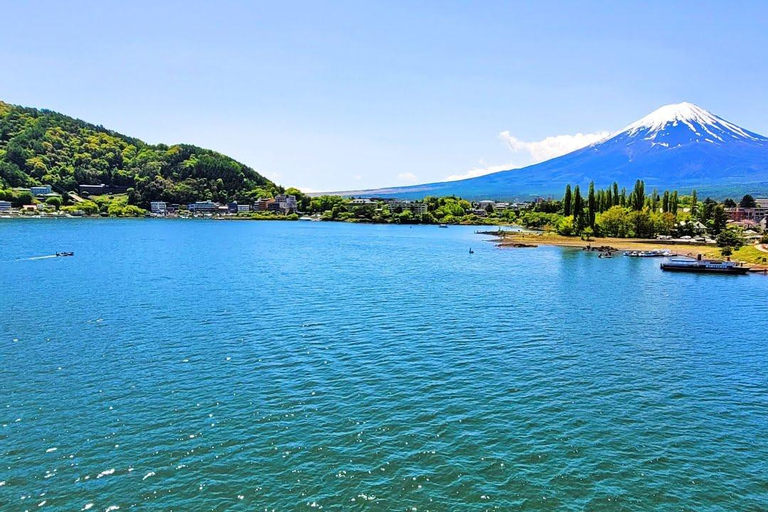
x=39 y=146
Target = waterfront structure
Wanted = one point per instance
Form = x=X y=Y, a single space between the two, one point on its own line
x=756 y=214
x=158 y=207
x=745 y=224
x=692 y=226
x=41 y=190
x=262 y=205
x=362 y=202
x=203 y=206
x=5 y=206
x=243 y=208
x=232 y=207
x=285 y=204
x=93 y=190
x=416 y=207
x=483 y=205
x=101 y=189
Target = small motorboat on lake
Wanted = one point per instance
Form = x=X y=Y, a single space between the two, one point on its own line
x=63 y=254
x=443 y=225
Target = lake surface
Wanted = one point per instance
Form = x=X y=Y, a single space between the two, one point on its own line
x=200 y=365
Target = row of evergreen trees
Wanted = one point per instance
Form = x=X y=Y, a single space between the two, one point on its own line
x=584 y=210
x=600 y=200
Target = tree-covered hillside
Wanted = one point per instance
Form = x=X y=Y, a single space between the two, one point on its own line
x=44 y=147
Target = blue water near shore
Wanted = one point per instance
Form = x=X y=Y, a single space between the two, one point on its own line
x=200 y=365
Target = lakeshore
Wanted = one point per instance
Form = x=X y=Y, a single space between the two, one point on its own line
x=753 y=256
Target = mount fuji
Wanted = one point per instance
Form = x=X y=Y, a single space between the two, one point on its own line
x=678 y=146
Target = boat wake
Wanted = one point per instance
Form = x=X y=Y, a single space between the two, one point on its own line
x=33 y=258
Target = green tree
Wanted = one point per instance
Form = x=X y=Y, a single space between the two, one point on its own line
x=747 y=202
x=729 y=238
x=565 y=226
x=719 y=220
x=578 y=209
x=638 y=195
x=54 y=201
x=694 y=203
x=22 y=198
x=613 y=222
x=567 y=198
x=707 y=210
x=591 y=205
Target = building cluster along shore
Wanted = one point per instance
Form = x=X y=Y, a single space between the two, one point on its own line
x=667 y=219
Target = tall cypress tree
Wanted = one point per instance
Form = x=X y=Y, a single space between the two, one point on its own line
x=694 y=203
x=638 y=195
x=665 y=202
x=567 y=201
x=608 y=199
x=616 y=199
x=623 y=197
x=591 y=205
x=578 y=209
x=674 y=202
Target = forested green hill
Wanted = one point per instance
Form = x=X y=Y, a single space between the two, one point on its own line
x=45 y=147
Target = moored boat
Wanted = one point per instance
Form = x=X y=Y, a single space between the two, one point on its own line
x=702 y=266
x=655 y=253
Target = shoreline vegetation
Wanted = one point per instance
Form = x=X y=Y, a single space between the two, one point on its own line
x=542 y=221
x=749 y=255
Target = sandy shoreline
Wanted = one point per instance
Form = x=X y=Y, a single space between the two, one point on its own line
x=512 y=239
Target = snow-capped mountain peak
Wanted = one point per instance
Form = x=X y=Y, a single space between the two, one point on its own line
x=701 y=125
x=676 y=147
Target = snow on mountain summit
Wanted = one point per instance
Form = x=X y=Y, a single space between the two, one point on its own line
x=706 y=126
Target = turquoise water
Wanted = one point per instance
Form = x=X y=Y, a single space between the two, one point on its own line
x=200 y=365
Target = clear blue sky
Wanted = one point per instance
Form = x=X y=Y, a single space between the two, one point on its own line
x=346 y=95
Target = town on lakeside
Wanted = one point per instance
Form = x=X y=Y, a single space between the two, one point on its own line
x=609 y=212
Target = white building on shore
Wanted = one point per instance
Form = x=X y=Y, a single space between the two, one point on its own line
x=203 y=206
x=158 y=207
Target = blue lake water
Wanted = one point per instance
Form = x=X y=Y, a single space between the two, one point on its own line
x=200 y=365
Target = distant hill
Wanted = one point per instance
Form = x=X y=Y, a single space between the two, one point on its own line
x=678 y=146
x=45 y=147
